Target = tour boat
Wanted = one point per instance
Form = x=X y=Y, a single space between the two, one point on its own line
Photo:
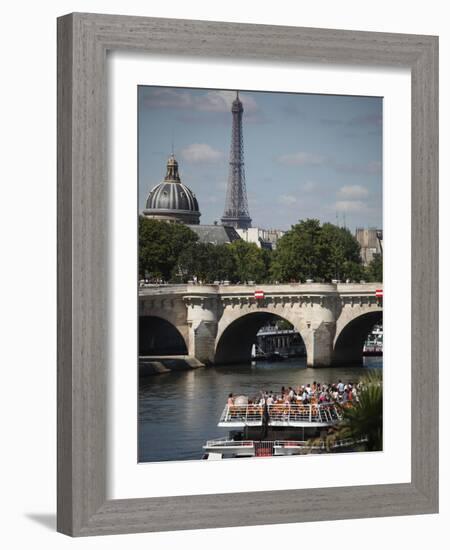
x=374 y=343
x=275 y=430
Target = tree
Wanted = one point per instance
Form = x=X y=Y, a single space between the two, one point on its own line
x=297 y=256
x=364 y=420
x=205 y=261
x=250 y=262
x=160 y=244
x=322 y=253
x=236 y=262
x=341 y=254
x=374 y=271
x=267 y=256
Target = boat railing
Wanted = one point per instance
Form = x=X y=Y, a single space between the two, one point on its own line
x=225 y=442
x=286 y=444
x=284 y=413
x=321 y=445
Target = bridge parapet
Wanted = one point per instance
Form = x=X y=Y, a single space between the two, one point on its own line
x=270 y=289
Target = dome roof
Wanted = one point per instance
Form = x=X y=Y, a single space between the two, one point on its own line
x=171 y=199
x=172 y=196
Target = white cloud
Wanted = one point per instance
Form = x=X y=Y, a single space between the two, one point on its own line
x=353 y=192
x=309 y=186
x=201 y=152
x=370 y=168
x=222 y=100
x=304 y=158
x=218 y=101
x=301 y=158
x=350 y=206
x=287 y=200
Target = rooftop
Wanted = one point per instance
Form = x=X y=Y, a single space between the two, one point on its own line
x=215 y=234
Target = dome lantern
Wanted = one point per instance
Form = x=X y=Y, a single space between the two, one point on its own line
x=172 y=174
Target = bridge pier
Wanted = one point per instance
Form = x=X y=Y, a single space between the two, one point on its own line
x=202 y=327
x=319 y=344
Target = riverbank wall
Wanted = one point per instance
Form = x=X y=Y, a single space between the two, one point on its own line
x=151 y=365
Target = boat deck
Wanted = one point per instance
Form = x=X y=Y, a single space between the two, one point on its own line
x=281 y=415
x=249 y=448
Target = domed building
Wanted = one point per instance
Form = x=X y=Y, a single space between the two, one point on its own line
x=172 y=201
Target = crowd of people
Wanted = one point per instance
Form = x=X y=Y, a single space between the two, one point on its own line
x=315 y=393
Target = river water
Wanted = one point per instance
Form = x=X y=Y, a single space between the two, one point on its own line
x=179 y=411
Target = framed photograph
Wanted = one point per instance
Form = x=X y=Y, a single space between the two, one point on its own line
x=247 y=274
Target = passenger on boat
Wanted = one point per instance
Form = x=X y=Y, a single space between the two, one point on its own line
x=314 y=394
x=291 y=394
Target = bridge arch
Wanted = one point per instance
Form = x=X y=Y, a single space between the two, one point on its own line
x=158 y=336
x=349 y=341
x=234 y=342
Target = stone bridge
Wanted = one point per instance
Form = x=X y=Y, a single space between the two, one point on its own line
x=218 y=324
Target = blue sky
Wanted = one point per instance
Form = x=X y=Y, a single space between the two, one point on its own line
x=306 y=156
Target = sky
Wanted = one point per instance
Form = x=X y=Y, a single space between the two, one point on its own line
x=306 y=156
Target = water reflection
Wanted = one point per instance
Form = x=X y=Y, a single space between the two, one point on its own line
x=179 y=411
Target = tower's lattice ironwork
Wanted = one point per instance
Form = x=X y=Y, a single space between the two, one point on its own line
x=236 y=211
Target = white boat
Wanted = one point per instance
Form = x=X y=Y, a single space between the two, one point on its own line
x=276 y=430
x=374 y=342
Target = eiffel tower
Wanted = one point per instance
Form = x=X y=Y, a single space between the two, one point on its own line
x=236 y=211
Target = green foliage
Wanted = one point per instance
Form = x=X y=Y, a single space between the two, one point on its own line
x=365 y=418
x=320 y=252
x=340 y=253
x=236 y=262
x=206 y=261
x=296 y=255
x=250 y=262
x=160 y=244
x=374 y=271
x=308 y=251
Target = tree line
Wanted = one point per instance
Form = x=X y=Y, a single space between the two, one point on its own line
x=309 y=250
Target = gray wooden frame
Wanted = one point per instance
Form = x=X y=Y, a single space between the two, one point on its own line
x=83 y=41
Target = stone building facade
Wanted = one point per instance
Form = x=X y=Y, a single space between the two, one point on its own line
x=370 y=241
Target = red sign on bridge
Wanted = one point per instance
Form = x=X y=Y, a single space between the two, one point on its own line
x=379 y=293
x=259 y=294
